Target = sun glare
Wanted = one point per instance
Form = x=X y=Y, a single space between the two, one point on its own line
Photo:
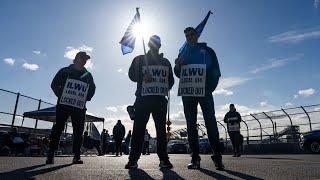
x=141 y=30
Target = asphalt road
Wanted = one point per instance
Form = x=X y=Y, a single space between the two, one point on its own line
x=110 y=167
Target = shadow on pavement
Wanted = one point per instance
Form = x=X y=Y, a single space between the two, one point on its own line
x=213 y=174
x=272 y=158
x=242 y=175
x=29 y=172
x=139 y=174
x=169 y=174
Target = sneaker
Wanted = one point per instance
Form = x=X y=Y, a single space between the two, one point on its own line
x=77 y=160
x=218 y=163
x=131 y=165
x=50 y=158
x=165 y=164
x=194 y=165
x=238 y=154
x=234 y=154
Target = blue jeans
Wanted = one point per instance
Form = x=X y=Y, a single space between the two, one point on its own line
x=190 y=105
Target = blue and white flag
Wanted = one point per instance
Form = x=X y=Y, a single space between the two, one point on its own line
x=128 y=40
x=199 y=30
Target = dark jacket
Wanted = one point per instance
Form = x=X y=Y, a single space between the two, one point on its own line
x=63 y=74
x=118 y=132
x=202 y=54
x=128 y=138
x=135 y=70
x=232 y=117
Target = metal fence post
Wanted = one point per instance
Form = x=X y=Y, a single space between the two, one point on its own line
x=259 y=125
x=247 y=131
x=225 y=130
x=15 y=109
x=274 y=132
x=35 y=126
x=288 y=117
x=308 y=117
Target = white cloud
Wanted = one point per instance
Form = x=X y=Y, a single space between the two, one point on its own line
x=274 y=64
x=229 y=82
x=296 y=96
x=295 y=37
x=9 y=61
x=316 y=3
x=112 y=108
x=31 y=67
x=37 y=52
x=263 y=103
x=306 y=92
x=222 y=92
x=71 y=52
x=288 y=104
x=123 y=108
x=226 y=83
x=120 y=70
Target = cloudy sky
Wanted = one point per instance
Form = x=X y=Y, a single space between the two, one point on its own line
x=268 y=50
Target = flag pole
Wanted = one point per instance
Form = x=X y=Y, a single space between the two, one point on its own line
x=144 y=46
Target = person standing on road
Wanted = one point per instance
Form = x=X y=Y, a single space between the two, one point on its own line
x=118 y=135
x=146 y=143
x=233 y=119
x=153 y=75
x=104 y=137
x=198 y=69
x=74 y=86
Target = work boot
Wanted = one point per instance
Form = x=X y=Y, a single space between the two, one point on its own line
x=218 y=162
x=195 y=164
x=77 y=160
x=131 y=165
x=166 y=164
x=50 y=158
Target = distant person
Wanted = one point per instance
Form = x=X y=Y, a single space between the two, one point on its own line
x=146 y=143
x=200 y=62
x=153 y=75
x=127 y=142
x=105 y=140
x=18 y=144
x=233 y=119
x=91 y=143
x=118 y=135
x=73 y=85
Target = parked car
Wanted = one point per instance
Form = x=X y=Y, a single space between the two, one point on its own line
x=204 y=146
x=178 y=146
x=310 y=141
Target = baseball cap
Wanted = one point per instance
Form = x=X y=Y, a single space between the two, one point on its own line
x=155 y=40
x=82 y=55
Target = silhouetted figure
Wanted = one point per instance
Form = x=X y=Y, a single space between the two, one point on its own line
x=73 y=85
x=105 y=140
x=153 y=75
x=233 y=119
x=118 y=135
x=127 y=142
x=146 y=143
x=199 y=57
x=90 y=143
